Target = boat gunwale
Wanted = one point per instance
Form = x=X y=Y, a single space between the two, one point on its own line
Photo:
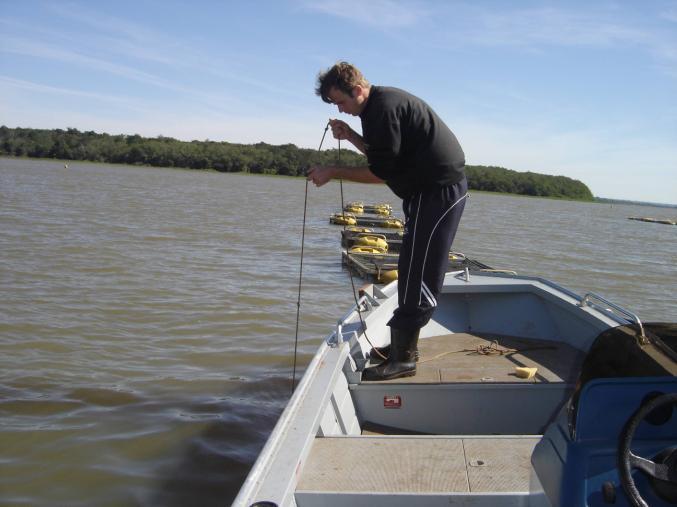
x=538 y=286
x=284 y=428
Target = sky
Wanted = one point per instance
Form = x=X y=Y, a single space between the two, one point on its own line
x=585 y=89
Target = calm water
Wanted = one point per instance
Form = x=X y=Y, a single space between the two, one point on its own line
x=147 y=315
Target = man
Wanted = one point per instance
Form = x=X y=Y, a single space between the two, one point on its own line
x=410 y=149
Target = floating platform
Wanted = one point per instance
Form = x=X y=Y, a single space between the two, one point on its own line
x=366 y=221
x=358 y=208
x=654 y=220
x=357 y=236
x=383 y=267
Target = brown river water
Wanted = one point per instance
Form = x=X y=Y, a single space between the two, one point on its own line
x=147 y=315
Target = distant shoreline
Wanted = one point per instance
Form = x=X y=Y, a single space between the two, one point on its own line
x=596 y=200
x=258 y=158
x=604 y=200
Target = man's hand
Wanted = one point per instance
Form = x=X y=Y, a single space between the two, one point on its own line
x=320 y=175
x=340 y=129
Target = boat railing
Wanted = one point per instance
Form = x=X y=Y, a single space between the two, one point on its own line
x=590 y=297
x=511 y=272
x=365 y=303
x=465 y=272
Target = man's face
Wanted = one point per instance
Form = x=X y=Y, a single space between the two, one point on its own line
x=347 y=104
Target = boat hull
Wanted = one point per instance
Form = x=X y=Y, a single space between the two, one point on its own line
x=467 y=413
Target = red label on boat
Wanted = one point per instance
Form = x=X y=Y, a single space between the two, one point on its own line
x=392 y=401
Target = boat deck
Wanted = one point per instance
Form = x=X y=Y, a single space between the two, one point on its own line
x=440 y=464
x=465 y=357
x=449 y=455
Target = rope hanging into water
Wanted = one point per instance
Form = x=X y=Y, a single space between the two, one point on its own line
x=338 y=162
x=350 y=273
x=352 y=282
x=298 y=301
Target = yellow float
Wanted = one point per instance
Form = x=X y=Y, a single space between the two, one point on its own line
x=393 y=223
x=366 y=250
x=343 y=219
x=387 y=276
x=359 y=229
x=373 y=241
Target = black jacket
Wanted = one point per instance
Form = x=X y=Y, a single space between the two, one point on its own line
x=407 y=144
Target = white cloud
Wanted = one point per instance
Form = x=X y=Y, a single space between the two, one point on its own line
x=95 y=63
x=132 y=39
x=457 y=24
x=115 y=39
x=26 y=47
x=550 y=25
x=670 y=12
x=41 y=88
x=380 y=13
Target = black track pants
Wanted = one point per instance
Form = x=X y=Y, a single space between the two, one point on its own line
x=431 y=221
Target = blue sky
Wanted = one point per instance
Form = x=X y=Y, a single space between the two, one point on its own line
x=586 y=89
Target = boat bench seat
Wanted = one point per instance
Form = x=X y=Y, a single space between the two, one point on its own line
x=369 y=470
x=464 y=385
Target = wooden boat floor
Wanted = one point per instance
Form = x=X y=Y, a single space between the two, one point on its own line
x=418 y=465
x=465 y=357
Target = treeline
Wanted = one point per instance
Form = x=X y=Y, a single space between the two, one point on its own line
x=261 y=158
x=499 y=179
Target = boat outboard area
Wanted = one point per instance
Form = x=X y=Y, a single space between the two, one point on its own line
x=526 y=394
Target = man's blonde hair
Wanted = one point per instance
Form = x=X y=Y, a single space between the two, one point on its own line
x=343 y=76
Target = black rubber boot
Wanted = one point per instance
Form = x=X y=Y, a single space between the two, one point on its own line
x=402 y=359
x=382 y=353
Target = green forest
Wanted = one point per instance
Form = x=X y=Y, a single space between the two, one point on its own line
x=260 y=158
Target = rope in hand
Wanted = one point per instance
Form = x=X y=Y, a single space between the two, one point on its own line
x=303 y=236
x=298 y=302
x=350 y=273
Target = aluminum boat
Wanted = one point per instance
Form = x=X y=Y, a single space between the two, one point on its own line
x=526 y=394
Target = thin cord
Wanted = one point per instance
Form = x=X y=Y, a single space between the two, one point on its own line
x=338 y=162
x=350 y=273
x=298 y=302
